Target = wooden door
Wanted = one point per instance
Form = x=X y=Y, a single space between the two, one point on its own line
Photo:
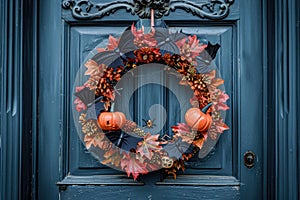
x=68 y=32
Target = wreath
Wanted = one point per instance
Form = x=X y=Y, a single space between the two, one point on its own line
x=109 y=130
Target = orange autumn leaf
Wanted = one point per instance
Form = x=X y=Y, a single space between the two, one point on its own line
x=93 y=68
x=199 y=143
x=112 y=156
x=94 y=140
x=179 y=165
x=112 y=44
x=217 y=82
x=186 y=157
x=172 y=172
x=101 y=50
x=211 y=75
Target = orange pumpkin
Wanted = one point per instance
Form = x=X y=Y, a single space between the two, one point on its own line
x=198 y=120
x=111 y=121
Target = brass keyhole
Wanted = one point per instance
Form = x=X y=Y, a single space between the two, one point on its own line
x=249 y=159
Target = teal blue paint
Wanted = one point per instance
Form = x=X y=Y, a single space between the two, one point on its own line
x=276 y=77
x=50 y=126
x=11 y=116
x=286 y=102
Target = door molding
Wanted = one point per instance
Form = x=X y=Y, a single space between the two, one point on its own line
x=18 y=98
x=282 y=139
x=10 y=115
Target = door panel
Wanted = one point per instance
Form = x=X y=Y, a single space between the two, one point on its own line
x=218 y=174
x=218 y=159
x=82 y=41
x=85 y=39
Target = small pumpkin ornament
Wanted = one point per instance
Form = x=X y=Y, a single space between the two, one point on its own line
x=198 y=119
x=111 y=121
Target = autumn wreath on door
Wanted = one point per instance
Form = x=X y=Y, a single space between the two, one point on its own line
x=121 y=143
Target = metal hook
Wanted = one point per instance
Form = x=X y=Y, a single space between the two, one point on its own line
x=152 y=17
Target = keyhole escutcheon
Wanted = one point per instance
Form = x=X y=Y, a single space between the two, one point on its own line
x=249 y=159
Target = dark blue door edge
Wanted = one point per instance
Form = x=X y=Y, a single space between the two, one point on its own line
x=282 y=156
x=18 y=96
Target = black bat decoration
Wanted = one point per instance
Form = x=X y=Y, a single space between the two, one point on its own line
x=167 y=41
x=177 y=148
x=86 y=95
x=114 y=58
x=123 y=140
x=206 y=57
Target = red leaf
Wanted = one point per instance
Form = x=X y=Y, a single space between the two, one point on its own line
x=112 y=43
x=223 y=97
x=142 y=38
x=183 y=131
x=220 y=97
x=221 y=106
x=181 y=128
x=195 y=47
x=101 y=50
x=133 y=166
x=148 y=145
x=79 y=88
x=190 y=46
x=79 y=105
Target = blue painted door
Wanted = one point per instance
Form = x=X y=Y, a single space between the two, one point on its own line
x=64 y=43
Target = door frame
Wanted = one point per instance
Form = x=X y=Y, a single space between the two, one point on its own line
x=20 y=116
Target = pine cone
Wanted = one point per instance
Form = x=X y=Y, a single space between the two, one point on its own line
x=106 y=83
x=200 y=90
x=90 y=127
x=156 y=158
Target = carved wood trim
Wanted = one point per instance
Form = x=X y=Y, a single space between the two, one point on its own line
x=86 y=9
